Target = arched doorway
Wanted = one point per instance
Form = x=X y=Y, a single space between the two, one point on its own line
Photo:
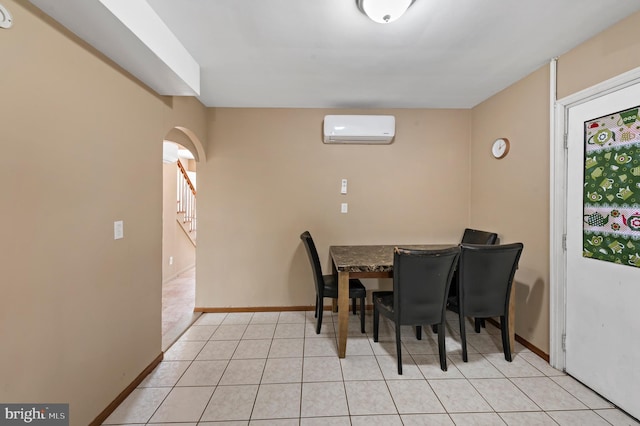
x=179 y=236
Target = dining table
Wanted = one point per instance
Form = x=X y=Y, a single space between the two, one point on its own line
x=376 y=261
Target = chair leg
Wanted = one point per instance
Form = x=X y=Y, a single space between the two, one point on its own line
x=479 y=323
x=354 y=305
x=319 y=311
x=463 y=336
x=442 y=350
x=399 y=348
x=506 y=342
x=362 y=312
x=418 y=332
x=317 y=304
x=376 y=321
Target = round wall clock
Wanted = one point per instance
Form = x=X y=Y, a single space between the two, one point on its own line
x=500 y=148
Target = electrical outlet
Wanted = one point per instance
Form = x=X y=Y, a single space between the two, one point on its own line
x=170 y=260
x=344 y=208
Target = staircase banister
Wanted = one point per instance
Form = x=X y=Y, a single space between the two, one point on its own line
x=186 y=177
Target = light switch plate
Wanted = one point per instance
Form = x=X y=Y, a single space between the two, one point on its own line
x=343 y=187
x=118 y=229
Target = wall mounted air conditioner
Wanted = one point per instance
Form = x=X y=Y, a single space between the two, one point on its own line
x=359 y=129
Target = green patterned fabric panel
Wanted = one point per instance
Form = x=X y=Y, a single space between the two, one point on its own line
x=611 y=216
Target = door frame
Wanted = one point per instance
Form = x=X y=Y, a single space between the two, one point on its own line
x=558 y=202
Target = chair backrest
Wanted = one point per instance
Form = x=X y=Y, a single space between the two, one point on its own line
x=474 y=236
x=315 y=262
x=421 y=280
x=486 y=276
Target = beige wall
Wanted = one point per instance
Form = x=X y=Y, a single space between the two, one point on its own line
x=510 y=196
x=610 y=53
x=269 y=177
x=82 y=147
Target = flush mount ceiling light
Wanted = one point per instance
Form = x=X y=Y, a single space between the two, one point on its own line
x=384 y=11
x=5 y=18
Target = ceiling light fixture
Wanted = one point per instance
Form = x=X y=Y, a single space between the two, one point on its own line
x=6 y=20
x=384 y=11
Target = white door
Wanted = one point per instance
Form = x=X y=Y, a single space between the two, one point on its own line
x=603 y=298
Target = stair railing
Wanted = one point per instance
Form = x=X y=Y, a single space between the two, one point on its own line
x=186 y=198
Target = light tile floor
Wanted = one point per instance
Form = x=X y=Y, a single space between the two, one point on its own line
x=178 y=300
x=272 y=369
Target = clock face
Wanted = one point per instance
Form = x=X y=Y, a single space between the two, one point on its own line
x=500 y=148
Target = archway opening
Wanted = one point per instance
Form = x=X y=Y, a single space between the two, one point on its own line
x=179 y=233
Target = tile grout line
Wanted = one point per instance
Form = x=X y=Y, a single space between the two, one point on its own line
x=306 y=337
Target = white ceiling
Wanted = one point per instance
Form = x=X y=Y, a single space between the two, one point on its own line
x=327 y=54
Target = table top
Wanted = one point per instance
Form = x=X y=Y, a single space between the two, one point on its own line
x=372 y=258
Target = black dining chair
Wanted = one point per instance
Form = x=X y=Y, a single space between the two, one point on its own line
x=421 y=280
x=469 y=236
x=327 y=285
x=475 y=236
x=484 y=289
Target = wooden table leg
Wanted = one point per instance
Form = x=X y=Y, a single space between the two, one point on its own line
x=343 y=312
x=334 y=302
x=512 y=318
